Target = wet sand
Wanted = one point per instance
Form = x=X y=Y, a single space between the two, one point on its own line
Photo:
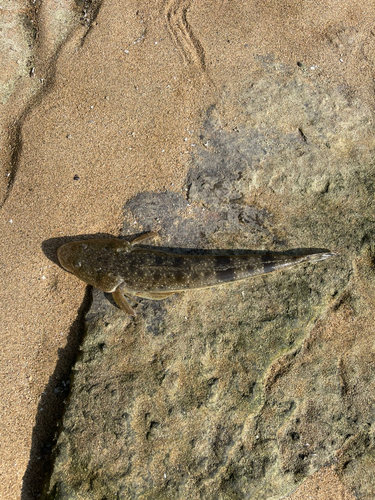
x=117 y=112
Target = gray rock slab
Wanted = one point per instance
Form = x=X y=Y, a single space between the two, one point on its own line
x=245 y=390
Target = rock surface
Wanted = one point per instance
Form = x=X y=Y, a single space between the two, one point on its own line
x=241 y=391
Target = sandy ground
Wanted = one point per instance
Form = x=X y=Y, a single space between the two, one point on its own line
x=117 y=112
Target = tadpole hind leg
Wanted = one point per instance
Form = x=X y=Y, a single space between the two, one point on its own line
x=144 y=237
x=123 y=304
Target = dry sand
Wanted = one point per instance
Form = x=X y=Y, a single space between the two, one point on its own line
x=120 y=106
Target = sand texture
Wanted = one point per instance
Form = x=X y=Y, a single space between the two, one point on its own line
x=221 y=125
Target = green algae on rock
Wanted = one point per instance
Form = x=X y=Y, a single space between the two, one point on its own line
x=241 y=393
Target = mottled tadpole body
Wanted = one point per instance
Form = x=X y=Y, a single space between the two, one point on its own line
x=116 y=266
x=95 y=261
